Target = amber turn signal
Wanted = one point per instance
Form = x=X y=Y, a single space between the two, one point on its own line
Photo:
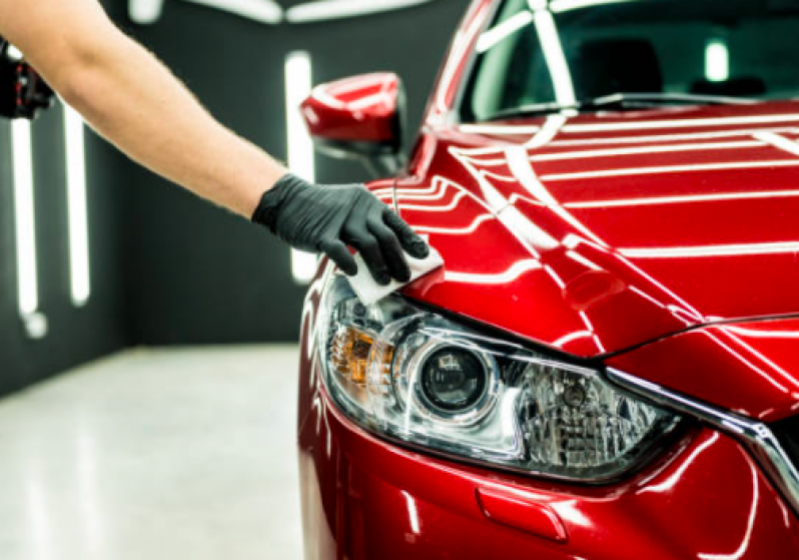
x=349 y=353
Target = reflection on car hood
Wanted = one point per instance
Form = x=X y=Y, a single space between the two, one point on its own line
x=600 y=232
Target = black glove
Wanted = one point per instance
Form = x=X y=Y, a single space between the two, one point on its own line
x=328 y=218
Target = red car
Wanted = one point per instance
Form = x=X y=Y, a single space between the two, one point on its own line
x=607 y=368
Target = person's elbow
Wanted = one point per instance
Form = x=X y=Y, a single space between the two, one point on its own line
x=85 y=70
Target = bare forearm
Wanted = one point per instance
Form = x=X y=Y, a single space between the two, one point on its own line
x=133 y=101
x=145 y=112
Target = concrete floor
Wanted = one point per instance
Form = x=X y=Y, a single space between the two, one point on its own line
x=165 y=454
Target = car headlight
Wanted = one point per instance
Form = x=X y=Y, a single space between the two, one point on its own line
x=417 y=377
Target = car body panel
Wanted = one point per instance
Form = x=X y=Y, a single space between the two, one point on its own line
x=748 y=368
x=659 y=242
x=598 y=233
x=365 y=498
x=361 y=108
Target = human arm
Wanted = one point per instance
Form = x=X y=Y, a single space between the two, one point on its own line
x=133 y=100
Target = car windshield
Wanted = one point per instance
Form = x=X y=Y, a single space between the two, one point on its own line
x=539 y=56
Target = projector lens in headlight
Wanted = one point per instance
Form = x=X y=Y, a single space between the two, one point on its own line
x=453 y=379
x=414 y=376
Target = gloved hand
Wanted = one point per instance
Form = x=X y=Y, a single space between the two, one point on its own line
x=328 y=218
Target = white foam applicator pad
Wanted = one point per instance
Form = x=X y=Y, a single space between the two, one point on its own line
x=369 y=291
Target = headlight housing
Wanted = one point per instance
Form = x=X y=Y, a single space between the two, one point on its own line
x=415 y=376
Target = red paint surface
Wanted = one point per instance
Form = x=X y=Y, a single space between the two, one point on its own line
x=703 y=497
x=359 y=109
x=522 y=511
x=750 y=368
x=618 y=260
x=658 y=241
x=367 y=499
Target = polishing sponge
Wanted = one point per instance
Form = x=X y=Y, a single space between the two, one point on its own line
x=369 y=291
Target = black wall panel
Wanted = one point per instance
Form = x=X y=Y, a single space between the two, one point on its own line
x=75 y=334
x=196 y=274
x=168 y=268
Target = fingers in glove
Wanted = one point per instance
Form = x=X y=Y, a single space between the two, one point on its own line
x=409 y=239
x=369 y=248
x=340 y=255
x=357 y=234
x=390 y=247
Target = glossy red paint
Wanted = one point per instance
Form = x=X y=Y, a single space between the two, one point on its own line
x=364 y=498
x=519 y=511
x=615 y=229
x=360 y=109
x=660 y=242
x=750 y=368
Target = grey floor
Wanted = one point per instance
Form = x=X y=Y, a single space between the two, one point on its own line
x=166 y=454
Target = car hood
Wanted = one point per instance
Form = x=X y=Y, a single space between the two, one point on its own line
x=757 y=358
x=601 y=232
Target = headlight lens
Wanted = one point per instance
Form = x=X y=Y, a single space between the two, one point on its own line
x=415 y=376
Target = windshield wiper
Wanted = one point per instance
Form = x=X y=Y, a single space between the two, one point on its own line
x=619 y=101
x=655 y=99
x=531 y=110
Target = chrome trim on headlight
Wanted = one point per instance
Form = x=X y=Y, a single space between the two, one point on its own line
x=757 y=437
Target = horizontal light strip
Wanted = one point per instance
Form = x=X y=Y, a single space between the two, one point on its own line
x=299 y=80
x=433 y=188
x=742 y=249
x=25 y=219
x=76 y=202
x=471 y=228
x=262 y=11
x=654 y=201
x=404 y=195
x=498 y=129
x=326 y=10
x=659 y=138
x=524 y=130
x=670 y=169
x=615 y=152
x=680 y=123
x=757 y=333
x=445 y=208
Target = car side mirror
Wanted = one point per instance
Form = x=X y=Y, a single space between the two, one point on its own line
x=362 y=117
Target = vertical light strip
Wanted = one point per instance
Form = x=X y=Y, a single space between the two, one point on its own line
x=24 y=211
x=76 y=202
x=300 y=146
x=145 y=12
x=717 y=61
x=552 y=48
